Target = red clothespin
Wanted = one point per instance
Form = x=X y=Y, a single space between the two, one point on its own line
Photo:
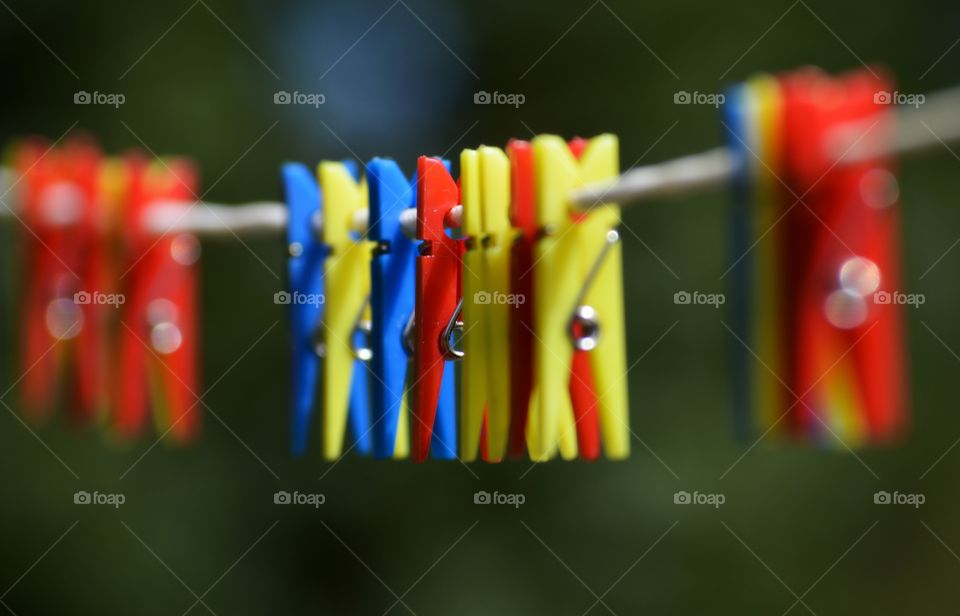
x=582 y=391
x=64 y=283
x=98 y=298
x=437 y=296
x=842 y=259
x=158 y=334
x=523 y=218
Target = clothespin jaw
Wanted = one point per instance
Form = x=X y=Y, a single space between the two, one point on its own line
x=305 y=284
x=158 y=334
x=576 y=263
x=347 y=278
x=392 y=277
x=485 y=386
x=437 y=295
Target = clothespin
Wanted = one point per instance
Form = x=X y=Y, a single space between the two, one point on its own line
x=843 y=247
x=583 y=397
x=346 y=319
x=305 y=295
x=392 y=278
x=158 y=333
x=436 y=314
x=64 y=335
x=578 y=301
x=524 y=221
x=818 y=291
x=487 y=303
x=752 y=118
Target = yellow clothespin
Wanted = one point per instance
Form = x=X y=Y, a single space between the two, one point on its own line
x=762 y=98
x=578 y=263
x=347 y=280
x=485 y=386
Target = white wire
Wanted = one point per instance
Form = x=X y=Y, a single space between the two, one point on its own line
x=933 y=124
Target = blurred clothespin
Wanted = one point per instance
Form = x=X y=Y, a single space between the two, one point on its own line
x=304 y=295
x=578 y=305
x=487 y=303
x=158 y=333
x=392 y=278
x=65 y=283
x=843 y=250
x=831 y=275
x=346 y=320
x=436 y=315
x=752 y=120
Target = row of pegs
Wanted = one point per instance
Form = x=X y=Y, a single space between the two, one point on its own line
x=109 y=310
x=492 y=327
x=817 y=316
x=496 y=332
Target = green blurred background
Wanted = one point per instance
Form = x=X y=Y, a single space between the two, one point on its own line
x=399 y=80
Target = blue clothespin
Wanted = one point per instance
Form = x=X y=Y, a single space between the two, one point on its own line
x=305 y=282
x=734 y=114
x=305 y=296
x=392 y=278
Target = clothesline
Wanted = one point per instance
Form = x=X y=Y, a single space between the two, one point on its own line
x=932 y=124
